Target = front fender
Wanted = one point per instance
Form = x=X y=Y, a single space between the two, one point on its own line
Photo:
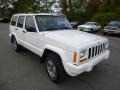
x=57 y=50
x=14 y=34
x=60 y=52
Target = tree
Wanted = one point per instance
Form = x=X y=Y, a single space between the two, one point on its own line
x=10 y=7
x=93 y=5
x=24 y=6
x=64 y=6
x=6 y=7
x=73 y=9
x=44 y=6
x=105 y=6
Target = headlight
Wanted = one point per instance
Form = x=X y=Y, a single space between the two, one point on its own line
x=82 y=53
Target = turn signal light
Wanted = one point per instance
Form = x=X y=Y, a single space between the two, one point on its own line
x=75 y=57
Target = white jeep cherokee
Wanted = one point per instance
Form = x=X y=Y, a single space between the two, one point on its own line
x=63 y=49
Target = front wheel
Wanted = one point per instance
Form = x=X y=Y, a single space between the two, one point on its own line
x=16 y=46
x=91 y=30
x=54 y=68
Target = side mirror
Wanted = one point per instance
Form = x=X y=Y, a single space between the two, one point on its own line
x=31 y=29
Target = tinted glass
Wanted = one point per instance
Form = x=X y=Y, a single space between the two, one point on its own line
x=13 y=21
x=30 y=24
x=48 y=23
x=20 y=21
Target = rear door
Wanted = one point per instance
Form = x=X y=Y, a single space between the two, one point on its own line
x=19 y=29
x=13 y=24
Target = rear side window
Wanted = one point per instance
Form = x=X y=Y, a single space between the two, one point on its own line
x=13 y=21
x=20 y=21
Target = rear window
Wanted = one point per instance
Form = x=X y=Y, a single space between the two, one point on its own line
x=20 y=21
x=13 y=21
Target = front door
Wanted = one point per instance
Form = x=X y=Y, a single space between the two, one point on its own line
x=31 y=36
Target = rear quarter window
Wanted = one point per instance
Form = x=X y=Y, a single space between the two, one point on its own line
x=13 y=20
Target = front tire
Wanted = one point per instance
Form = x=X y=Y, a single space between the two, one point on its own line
x=16 y=46
x=91 y=30
x=54 y=68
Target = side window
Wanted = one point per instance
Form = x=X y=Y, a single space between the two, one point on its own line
x=13 y=21
x=20 y=21
x=29 y=24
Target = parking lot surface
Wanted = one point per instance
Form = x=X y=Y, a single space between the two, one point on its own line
x=23 y=71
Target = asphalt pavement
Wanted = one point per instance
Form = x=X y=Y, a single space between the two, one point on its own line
x=23 y=71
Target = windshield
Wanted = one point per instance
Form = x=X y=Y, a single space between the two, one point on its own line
x=48 y=23
x=89 y=23
x=114 y=23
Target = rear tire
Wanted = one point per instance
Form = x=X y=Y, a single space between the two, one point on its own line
x=16 y=46
x=54 y=68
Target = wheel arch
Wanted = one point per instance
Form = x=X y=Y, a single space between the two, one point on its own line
x=61 y=53
x=13 y=35
x=52 y=49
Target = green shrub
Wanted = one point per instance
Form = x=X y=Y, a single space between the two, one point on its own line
x=104 y=18
x=117 y=10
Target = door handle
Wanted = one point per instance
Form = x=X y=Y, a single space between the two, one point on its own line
x=24 y=31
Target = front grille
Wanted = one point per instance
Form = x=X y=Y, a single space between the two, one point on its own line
x=96 y=50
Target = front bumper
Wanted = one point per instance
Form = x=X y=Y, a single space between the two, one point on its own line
x=73 y=70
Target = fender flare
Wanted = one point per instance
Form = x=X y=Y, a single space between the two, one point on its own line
x=58 y=51
x=14 y=34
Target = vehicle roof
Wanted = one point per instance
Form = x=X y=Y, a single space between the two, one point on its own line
x=47 y=14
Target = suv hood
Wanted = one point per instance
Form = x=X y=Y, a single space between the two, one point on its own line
x=73 y=38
